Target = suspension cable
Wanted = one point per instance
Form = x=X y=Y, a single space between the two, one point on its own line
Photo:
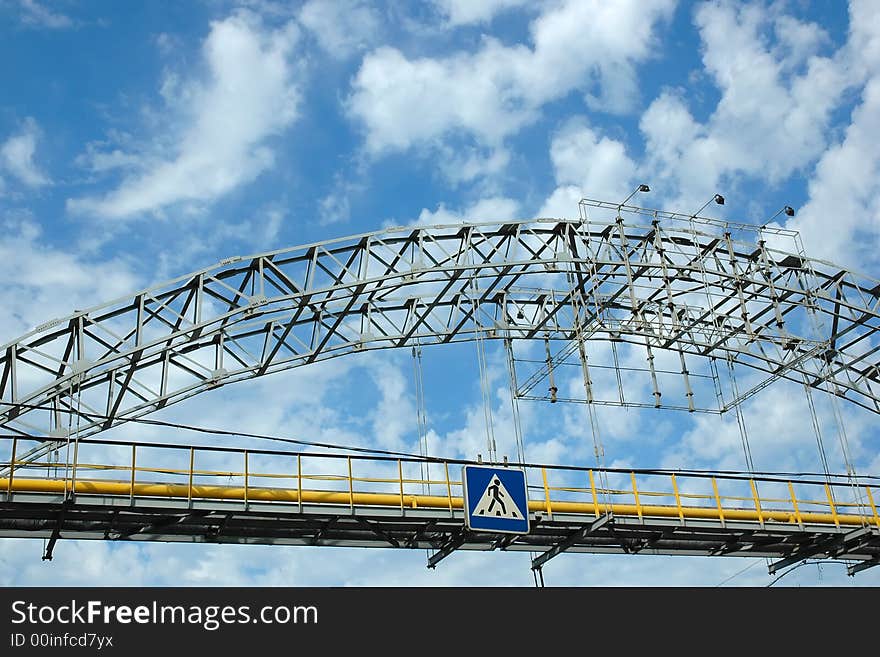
x=514 y=403
x=740 y=418
x=421 y=417
x=817 y=429
x=484 y=375
x=817 y=325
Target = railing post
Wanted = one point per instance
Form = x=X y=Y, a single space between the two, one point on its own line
x=133 y=462
x=189 y=490
x=870 y=499
x=400 y=479
x=350 y=487
x=636 y=495
x=593 y=490
x=757 y=502
x=797 y=509
x=448 y=488
x=246 y=480
x=547 y=493
x=718 y=501
x=831 y=504
x=677 y=500
x=11 y=469
x=299 y=481
x=75 y=461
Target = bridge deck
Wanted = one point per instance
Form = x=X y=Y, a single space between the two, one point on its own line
x=138 y=491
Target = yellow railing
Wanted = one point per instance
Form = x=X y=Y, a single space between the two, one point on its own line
x=262 y=476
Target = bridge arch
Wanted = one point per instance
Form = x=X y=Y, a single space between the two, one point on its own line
x=702 y=287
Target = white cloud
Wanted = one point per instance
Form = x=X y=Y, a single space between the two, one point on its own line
x=462 y=164
x=36 y=15
x=17 y=156
x=841 y=219
x=334 y=208
x=227 y=119
x=41 y=282
x=772 y=121
x=864 y=37
x=493 y=92
x=773 y=115
x=466 y=12
x=341 y=27
x=844 y=203
x=586 y=164
x=494 y=208
x=394 y=417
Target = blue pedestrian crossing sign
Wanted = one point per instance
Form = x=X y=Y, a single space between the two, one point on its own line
x=495 y=499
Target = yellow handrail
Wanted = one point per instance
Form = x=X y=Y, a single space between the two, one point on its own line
x=346 y=489
x=204 y=491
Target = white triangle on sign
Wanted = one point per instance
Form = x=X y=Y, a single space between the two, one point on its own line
x=496 y=502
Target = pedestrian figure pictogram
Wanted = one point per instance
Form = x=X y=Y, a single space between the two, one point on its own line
x=496 y=502
x=495 y=499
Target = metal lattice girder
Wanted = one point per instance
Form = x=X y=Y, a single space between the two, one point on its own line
x=651 y=284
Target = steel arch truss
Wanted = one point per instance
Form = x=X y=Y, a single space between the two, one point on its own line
x=655 y=283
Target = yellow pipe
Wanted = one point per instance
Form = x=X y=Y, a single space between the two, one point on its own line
x=204 y=491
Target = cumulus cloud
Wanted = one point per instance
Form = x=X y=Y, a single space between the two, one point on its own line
x=17 y=156
x=772 y=119
x=844 y=194
x=841 y=219
x=223 y=123
x=341 y=27
x=586 y=163
x=494 y=208
x=495 y=91
x=466 y=12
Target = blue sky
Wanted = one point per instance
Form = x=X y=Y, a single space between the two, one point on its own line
x=143 y=140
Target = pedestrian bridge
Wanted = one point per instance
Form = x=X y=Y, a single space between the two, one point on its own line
x=686 y=308
x=110 y=490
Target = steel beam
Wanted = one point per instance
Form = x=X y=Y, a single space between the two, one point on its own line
x=575 y=537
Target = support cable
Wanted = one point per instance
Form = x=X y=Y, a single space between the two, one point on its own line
x=514 y=403
x=421 y=417
x=740 y=419
x=816 y=324
x=484 y=376
x=847 y=455
x=817 y=429
x=598 y=447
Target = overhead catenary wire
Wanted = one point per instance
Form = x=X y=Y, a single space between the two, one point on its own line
x=733 y=474
x=807 y=562
x=738 y=573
